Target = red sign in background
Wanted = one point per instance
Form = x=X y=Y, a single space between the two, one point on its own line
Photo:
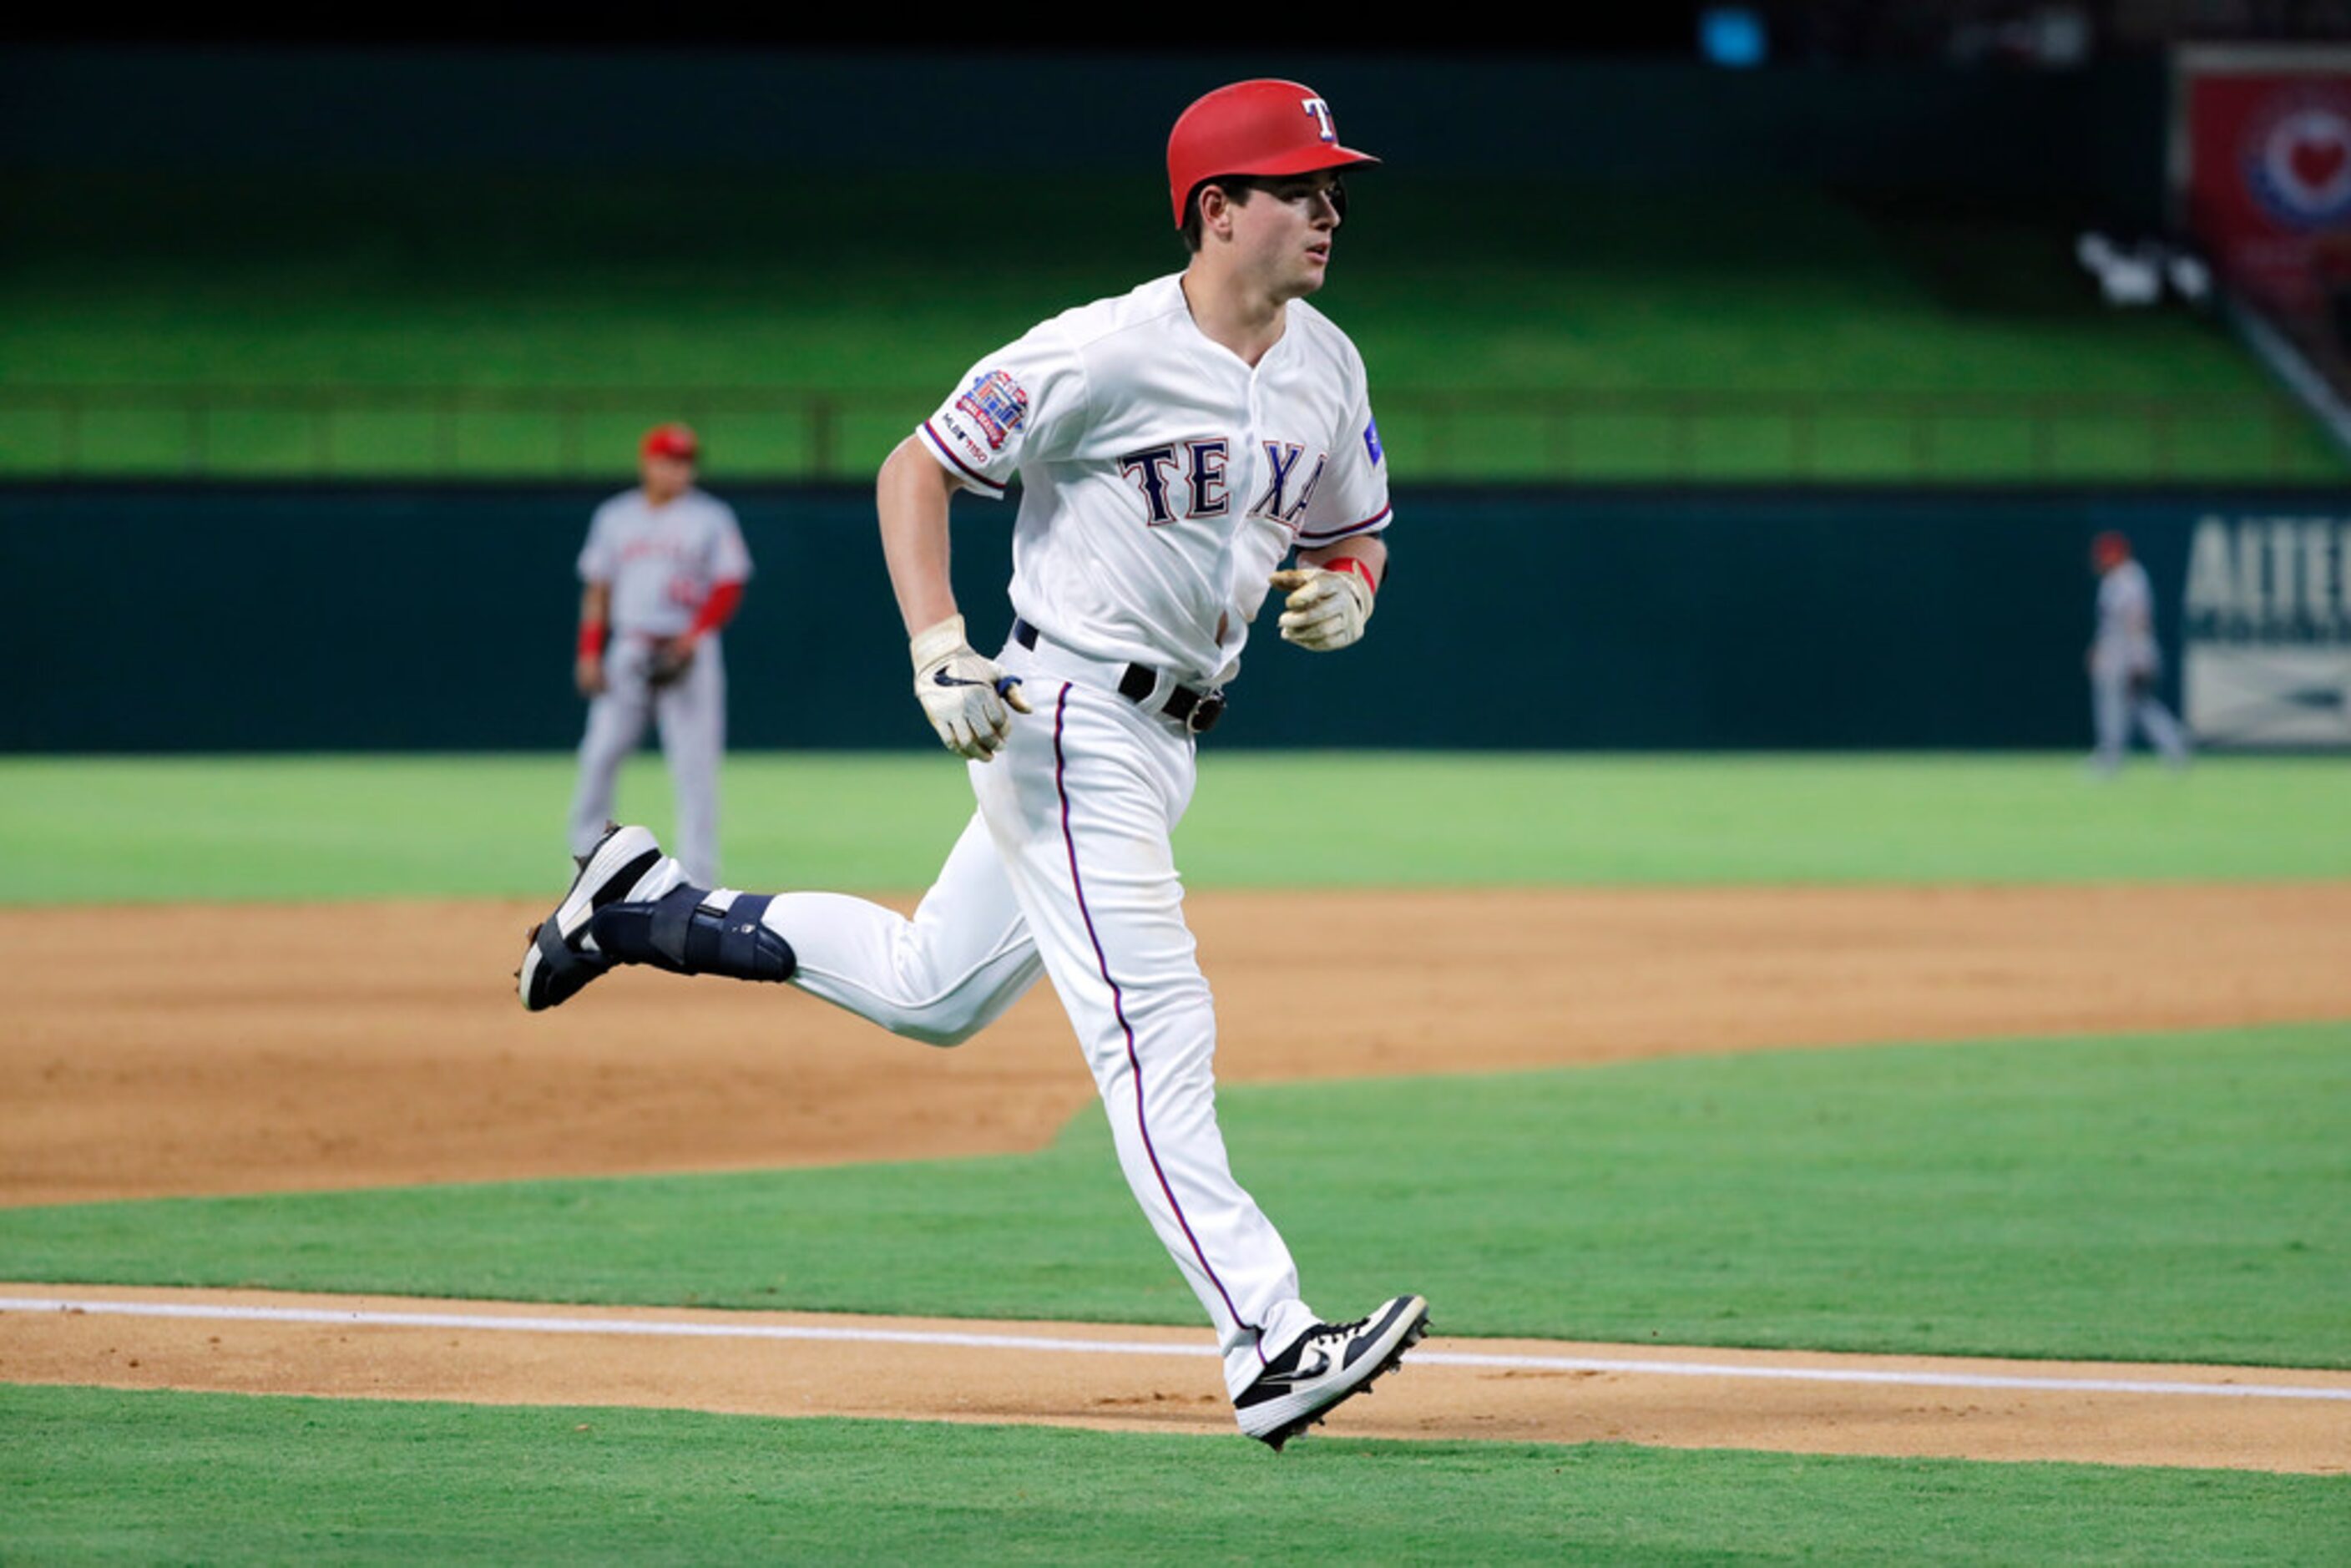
x=2269 y=182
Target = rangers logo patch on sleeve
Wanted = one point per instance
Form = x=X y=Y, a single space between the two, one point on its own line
x=1372 y=441
x=998 y=404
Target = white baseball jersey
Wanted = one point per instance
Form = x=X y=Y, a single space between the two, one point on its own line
x=2126 y=640
x=662 y=561
x=1162 y=479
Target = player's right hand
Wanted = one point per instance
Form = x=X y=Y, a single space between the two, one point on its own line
x=969 y=699
x=587 y=675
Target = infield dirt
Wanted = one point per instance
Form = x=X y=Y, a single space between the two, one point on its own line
x=184 y=1049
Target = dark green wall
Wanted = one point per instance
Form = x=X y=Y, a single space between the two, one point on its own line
x=265 y=618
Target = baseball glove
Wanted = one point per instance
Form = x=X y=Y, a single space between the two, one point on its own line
x=670 y=663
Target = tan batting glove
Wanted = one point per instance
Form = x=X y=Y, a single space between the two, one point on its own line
x=970 y=700
x=1325 y=611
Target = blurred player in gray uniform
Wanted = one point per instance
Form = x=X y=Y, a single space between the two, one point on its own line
x=663 y=568
x=2124 y=660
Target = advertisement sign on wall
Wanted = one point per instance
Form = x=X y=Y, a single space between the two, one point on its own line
x=2267 y=630
x=2261 y=169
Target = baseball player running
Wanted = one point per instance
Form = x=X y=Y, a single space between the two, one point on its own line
x=1174 y=446
x=663 y=569
x=2123 y=659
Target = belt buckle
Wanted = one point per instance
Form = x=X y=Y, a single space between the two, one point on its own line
x=1205 y=712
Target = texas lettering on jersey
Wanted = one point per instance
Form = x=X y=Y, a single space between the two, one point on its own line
x=1162 y=477
x=1198 y=469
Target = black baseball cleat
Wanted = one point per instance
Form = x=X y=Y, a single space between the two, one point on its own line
x=554 y=967
x=1330 y=1363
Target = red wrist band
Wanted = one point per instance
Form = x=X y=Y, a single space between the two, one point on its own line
x=591 y=639
x=1357 y=565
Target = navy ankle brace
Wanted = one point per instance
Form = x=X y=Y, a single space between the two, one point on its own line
x=678 y=932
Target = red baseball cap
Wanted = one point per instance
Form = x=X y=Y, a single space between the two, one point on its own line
x=1265 y=126
x=677 y=441
x=2110 y=548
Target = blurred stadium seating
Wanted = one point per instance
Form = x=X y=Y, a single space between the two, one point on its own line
x=520 y=316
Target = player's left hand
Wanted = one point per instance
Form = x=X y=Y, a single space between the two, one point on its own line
x=1325 y=609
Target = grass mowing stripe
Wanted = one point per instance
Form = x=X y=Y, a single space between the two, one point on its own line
x=106 y=1475
x=2171 y=1197
x=91 y=829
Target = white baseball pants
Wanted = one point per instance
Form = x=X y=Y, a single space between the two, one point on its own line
x=1066 y=869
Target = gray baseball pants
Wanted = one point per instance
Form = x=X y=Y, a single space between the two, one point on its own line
x=692 y=714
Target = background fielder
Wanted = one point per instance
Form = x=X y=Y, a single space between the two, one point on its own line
x=662 y=570
x=2124 y=660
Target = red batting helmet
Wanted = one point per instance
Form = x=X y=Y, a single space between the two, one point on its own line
x=2110 y=548
x=1262 y=127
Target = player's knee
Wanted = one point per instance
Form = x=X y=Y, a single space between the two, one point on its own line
x=944 y=1034
x=944 y=1002
x=947 y=1019
x=953 y=1016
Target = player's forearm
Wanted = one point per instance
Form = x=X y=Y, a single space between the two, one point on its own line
x=912 y=495
x=1370 y=551
x=1329 y=599
x=717 y=610
x=595 y=610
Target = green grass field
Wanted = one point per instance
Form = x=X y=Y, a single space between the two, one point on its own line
x=1988 y=1199
x=698 y=283
x=87 y=830
x=100 y=1477
x=2168 y=1196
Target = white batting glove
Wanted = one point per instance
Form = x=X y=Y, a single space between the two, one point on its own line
x=1325 y=609
x=970 y=700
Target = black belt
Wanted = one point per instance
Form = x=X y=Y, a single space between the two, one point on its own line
x=1195 y=711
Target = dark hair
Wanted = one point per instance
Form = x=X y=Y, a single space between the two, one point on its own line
x=1237 y=186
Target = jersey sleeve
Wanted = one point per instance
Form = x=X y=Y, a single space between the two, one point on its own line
x=1352 y=499
x=730 y=557
x=1026 y=403
x=597 y=559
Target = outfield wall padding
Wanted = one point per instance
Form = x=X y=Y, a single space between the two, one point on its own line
x=167 y=619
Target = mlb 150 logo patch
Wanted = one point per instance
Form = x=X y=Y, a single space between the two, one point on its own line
x=998 y=404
